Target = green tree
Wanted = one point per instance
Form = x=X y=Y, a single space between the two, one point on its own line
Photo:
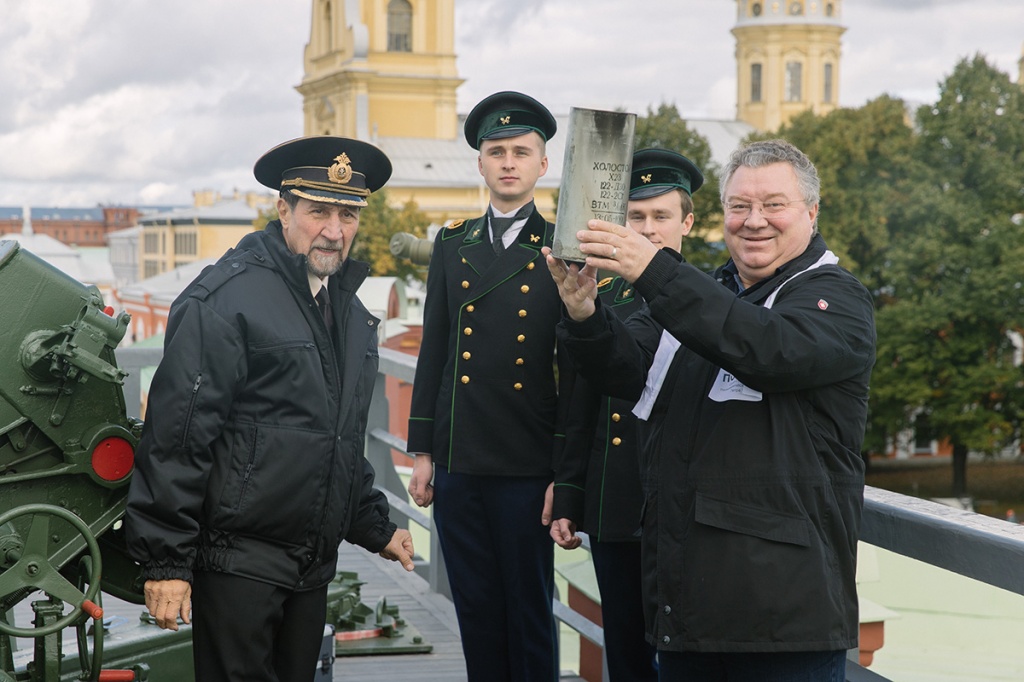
x=664 y=128
x=954 y=295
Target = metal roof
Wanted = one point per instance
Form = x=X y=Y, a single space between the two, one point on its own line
x=221 y=212
x=39 y=213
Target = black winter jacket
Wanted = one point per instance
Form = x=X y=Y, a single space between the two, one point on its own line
x=251 y=457
x=752 y=508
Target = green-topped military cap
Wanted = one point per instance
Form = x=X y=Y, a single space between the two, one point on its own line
x=334 y=170
x=656 y=171
x=508 y=114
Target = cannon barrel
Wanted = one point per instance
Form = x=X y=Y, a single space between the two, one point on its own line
x=409 y=246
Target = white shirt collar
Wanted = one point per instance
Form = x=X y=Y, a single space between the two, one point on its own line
x=315 y=283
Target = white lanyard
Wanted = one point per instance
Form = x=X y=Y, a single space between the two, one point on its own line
x=726 y=386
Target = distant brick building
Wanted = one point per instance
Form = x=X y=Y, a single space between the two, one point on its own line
x=71 y=226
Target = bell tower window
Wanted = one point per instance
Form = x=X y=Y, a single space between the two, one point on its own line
x=399 y=26
x=794 y=81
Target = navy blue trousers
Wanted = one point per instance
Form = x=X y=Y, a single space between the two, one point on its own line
x=798 y=666
x=628 y=655
x=250 y=631
x=500 y=562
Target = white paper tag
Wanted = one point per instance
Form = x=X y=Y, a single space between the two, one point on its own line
x=728 y=387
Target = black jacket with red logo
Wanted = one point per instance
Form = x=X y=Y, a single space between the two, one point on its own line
x=754 y=496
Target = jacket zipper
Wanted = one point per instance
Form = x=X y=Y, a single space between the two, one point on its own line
x=249 y=466
x=191 y=409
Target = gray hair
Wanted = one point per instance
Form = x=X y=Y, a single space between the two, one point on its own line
x=767 y=152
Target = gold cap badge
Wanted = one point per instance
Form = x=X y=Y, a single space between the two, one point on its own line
x=505 y=120
x=341 y=171
x=646 y=178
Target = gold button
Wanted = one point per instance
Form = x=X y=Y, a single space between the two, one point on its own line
x=518 y=386
x=521 y=338
x=615 y=441
x=522 y=313
x=463 y=260
x=616 y=417
x=519 y=361
x=465 y=380
x=468 y=331
x=530 y=266
x=525 y=289
x=470 y=308
x=465 y=284
x=467 y=355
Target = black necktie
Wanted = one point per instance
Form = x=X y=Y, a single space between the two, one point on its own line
x=323 y=301
x=500 y=225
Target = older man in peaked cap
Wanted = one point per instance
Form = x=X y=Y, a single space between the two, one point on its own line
x=250 y=470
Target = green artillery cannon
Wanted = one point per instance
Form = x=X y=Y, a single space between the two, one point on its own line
x=66 y=456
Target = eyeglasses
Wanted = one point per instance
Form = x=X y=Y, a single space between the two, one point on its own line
x=743 y=209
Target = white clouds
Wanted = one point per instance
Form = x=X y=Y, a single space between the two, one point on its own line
x=140 y=102
x=126 y=102
x=601 y=53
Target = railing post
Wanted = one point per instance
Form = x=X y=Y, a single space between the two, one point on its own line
x=133 y=361
x=379 y=453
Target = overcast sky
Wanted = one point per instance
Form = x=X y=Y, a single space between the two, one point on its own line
x=135 y=102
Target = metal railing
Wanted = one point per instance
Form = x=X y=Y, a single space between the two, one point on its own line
x=972 y=545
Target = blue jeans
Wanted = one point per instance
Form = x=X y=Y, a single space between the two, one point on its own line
x=797 y=666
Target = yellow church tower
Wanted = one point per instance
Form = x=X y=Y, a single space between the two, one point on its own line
x=381 y=68
x=787 y=59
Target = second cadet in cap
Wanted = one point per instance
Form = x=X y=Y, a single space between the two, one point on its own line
x=598 y=486
x=250 y=468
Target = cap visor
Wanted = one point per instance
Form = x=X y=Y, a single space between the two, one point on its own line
x=328 y=197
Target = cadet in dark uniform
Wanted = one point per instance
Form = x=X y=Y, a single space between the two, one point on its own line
x=602 y=493
x=486 y=415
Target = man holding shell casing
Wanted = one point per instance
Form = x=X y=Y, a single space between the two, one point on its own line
x=752 y=389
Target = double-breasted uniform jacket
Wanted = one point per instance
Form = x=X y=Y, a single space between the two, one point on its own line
x=754 y=492
x=597 y=485
x=485 y=399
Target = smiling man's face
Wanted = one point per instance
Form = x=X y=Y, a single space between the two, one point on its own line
x=758 y=242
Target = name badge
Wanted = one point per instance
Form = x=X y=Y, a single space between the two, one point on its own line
x=727 y=387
